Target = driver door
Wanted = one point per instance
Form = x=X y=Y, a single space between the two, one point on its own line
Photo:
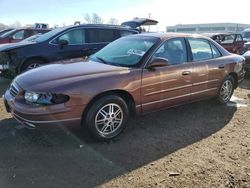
x=168 y=85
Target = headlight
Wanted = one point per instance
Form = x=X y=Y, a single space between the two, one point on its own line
x=45 y=98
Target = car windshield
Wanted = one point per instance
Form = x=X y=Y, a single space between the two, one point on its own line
x=32 y=38
x=246 y=34
x=48 y=35
x=126 y=51
x=2 y=32
x=8 y=33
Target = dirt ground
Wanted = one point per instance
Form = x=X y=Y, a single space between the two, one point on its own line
x=203 y=144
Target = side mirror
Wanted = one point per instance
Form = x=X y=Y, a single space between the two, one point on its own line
x=157 y=62
x=63 y=43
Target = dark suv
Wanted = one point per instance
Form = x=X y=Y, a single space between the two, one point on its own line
x=16 y=35
x=59 y=44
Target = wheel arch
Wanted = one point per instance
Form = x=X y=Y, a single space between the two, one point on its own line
x=40 y=58
x=235 y=77
x=125 y=95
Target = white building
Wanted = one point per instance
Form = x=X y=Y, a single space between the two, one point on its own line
x=208 y=28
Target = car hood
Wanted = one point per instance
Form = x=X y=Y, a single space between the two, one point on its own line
x=62 y=73
x=10 y=46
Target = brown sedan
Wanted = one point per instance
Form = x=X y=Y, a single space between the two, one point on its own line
x=132 y=75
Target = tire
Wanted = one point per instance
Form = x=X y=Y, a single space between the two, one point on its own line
x=31 y=64
x=104 y=124
x=226 y=90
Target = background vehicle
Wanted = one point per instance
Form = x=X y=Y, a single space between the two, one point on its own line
x=246 y=35
x=59 y=44
x=5 y=31
x=17 y=35
x=234 y=43
x=134 y=74
x=139 y=23
x=247 y=57
x=41 y=25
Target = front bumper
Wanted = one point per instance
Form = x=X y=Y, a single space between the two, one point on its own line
x=42 y=116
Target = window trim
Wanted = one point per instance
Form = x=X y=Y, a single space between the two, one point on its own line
x=88 y=27
x=211 y=44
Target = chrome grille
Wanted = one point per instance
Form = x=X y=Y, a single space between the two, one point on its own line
x=14 y=89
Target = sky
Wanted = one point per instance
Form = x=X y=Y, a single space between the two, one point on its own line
x=167 y=12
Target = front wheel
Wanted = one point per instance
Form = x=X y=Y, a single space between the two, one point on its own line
x=106 y=118
x=32 y=64
x=226 y=90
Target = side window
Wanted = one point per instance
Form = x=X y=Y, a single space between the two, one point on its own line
x=76 y=36
x=227 y=39
x=200 y=49
x=124 y=33
x=216 y=52
x=19 y=35
x=101 y=35
x=174 y=50
x=239 y=38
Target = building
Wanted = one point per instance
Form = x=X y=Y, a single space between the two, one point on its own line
x=208 y=28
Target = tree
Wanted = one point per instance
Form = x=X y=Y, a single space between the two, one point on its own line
x=93 y=19
x=2 y=26
x=113 y=21
x=17 y=24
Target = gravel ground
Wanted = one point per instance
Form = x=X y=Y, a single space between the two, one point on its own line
x=203 y=144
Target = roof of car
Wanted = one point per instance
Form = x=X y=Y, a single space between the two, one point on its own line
x=30 y=28
x=100 y=25
x=168 y=35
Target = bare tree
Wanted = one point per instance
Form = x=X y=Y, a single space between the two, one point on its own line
x=87 y=18
x=93 y=19
x=2 y=26
x=113 y=21
x=17 y=24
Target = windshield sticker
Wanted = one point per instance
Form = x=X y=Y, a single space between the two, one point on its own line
x=136 y=52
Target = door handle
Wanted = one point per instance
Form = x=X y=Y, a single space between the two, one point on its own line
x=185 y=73
x=221 y=66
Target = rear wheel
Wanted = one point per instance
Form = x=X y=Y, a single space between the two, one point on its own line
x=107 y=117
x=226 y=90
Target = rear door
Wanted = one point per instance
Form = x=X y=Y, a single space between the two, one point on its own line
x=206 y=73
x=75 y=48
x=169 y=85
x=97 y=38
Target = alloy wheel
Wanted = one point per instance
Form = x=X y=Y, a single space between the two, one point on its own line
x=109 y=119
x=226 y=90
x=33 y=65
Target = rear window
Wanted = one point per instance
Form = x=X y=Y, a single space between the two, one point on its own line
x=100 y=35
x=200 y=48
